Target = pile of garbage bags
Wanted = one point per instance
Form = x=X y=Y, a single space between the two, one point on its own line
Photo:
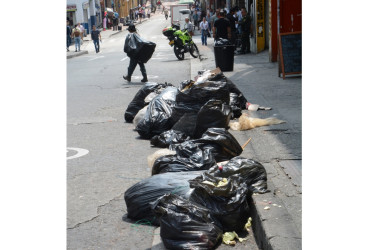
x=200 y=185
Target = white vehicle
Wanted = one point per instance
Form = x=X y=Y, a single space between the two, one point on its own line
x=176 y=16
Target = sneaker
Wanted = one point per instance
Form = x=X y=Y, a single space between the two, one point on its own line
x=144 y=80
x=127 y=78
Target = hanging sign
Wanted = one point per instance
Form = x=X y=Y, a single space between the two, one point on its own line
x=71 y=7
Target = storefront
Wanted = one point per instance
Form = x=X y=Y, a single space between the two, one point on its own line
x=70 y=14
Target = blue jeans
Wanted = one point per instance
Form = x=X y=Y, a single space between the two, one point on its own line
x=203 y=37
x=132 y=66
x=97 y=45
x=68 y=41
x=77 y=41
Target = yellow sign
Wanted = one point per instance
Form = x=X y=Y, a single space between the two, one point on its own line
x=260 y=29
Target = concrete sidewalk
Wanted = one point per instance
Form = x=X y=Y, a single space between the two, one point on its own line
x=277 y=214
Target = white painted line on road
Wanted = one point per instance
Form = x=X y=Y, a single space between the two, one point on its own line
x=95 y=58
x=80 y=152
x=123 y=59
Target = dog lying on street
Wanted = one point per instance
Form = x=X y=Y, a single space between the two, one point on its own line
x=245 y=122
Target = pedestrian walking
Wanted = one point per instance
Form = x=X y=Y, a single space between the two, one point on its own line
x=82 y=32
x=195 y=18
x=77 y=35
x=149 y=13
x=221 y=27
x=204 y=26
x=95 y=36
x=133 y=61
x=166 y=13
x=68 y=35
x=208 y=19
x=245 y=25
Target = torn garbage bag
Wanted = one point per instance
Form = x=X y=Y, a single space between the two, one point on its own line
x=138 y=102
x=158 y=117
x=185 y=225
x=167 y=138
x=253 y=173
x=189 y=156
x=139 y=196
x=226 y=198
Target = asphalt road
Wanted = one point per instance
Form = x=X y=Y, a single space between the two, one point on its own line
x=97 y=97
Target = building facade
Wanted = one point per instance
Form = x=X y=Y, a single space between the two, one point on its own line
x=86 y=12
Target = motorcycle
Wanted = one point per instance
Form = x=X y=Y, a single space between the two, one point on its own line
x=182 y=42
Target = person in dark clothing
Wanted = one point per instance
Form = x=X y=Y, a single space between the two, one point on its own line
x=245 y=24
x=232 y=21
x=68 y=35
x=95 y=35
x=133 y=61
x=221 y=27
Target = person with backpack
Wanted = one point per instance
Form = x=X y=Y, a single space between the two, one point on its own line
x=133 y=61
x=77 y=35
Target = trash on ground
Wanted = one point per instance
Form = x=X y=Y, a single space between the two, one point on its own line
x=158 y=116
x=168 y=138
x=245 y=122
x=159 y=153
x=227 y=203
x=252 y=172
x=138 y=196
x=248 y=225
x=229 y=238
x=185 y=224
x=138 y=101
x=266 y=208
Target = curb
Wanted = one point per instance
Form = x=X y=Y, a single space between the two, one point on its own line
x=77 y=54
x=273 y=228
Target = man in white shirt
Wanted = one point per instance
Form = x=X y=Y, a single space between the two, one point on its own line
x=188 y=26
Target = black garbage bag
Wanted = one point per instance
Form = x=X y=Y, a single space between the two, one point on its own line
x=139 y=196
x=185 y=225
x=227 y=203
x=165 y=139
x=253 y=173
x=158 y=117
x=228 y=146
x=138 y=48
x=240 y=101
x=236 y=110
x=138 y=102
x=191 y=99
x=214 y=114
x=186 y=123
x=189 y=156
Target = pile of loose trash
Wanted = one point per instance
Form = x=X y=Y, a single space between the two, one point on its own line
x=199 y=189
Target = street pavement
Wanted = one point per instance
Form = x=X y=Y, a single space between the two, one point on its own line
x=117 y=158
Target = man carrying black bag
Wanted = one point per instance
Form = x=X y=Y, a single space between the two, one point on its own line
x=133 y=47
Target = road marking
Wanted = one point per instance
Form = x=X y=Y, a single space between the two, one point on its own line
x=95 y=58
x=80 y=152
x=123 y=59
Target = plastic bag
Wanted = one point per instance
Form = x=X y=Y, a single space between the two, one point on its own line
x=189 y=156
x=226 y=199
x=158 y=117
x=214 y=114
x=191 y=99
x=253 y=173
x=186 y=123
x=167 y=138
x=139 y=196
x=138 y=48
x=185 y=225
x=228 y=148
x=221 y=42
x=138 y=102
